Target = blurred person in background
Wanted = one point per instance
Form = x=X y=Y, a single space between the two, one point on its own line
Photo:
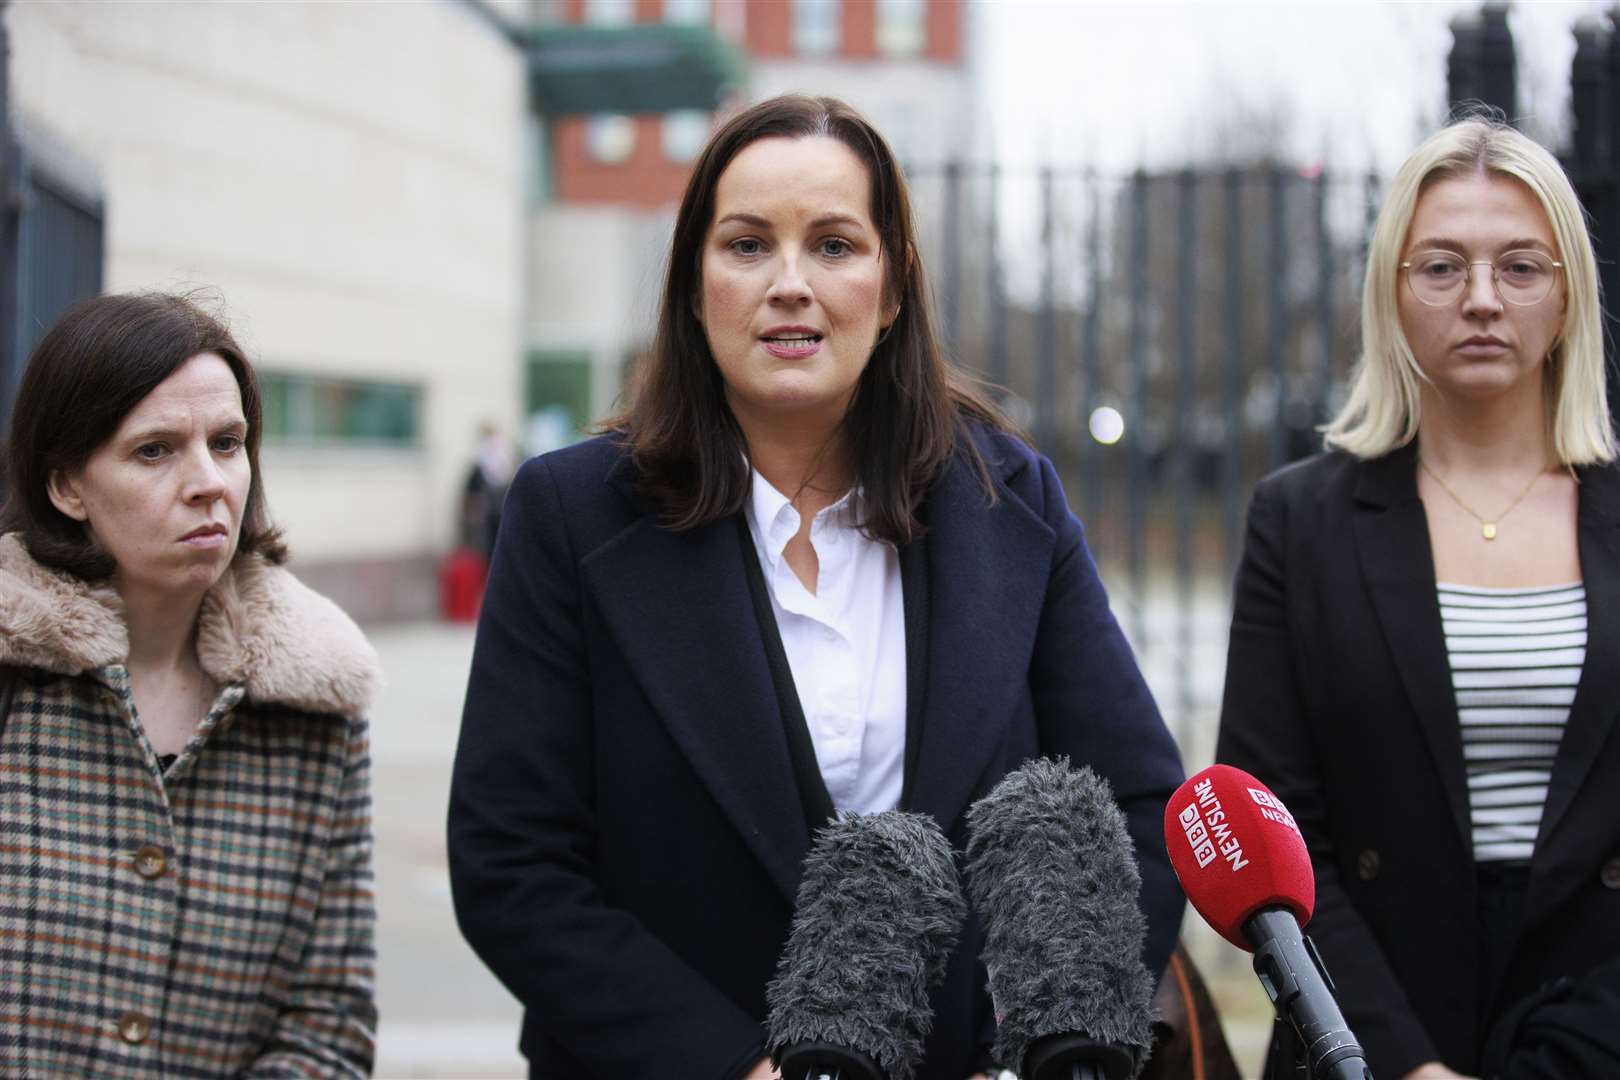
x=465 y=570
x=809 y=571
x=484 y=492
x=1425 y=635
x=186 y=878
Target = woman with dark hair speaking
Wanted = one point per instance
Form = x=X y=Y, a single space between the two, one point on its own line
x=808 y=571
x=1425 y=651
x=185 y=874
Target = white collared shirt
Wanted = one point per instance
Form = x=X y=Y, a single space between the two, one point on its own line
x=846 y=644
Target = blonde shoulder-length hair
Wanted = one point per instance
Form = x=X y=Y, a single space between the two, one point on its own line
x=1382 y=411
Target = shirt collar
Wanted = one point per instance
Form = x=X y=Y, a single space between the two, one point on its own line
x=774 y=521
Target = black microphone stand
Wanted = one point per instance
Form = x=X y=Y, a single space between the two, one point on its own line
x=1297 y=982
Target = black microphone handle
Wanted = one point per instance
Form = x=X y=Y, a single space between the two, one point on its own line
x=1072 y=1056
x=823 y=1061
x=1297 y=982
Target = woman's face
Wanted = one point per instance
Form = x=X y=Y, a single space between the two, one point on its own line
x=1480 y=346
x=164 y=496
x=792 y=280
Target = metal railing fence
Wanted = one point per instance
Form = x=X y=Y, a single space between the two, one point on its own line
x=1167 y=339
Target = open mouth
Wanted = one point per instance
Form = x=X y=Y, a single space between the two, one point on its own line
x=796 y=343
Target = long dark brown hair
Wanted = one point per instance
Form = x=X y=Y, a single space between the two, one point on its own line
x=86 y=374
x=907 y=415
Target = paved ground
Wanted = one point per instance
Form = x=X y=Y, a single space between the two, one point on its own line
x=443 y=1015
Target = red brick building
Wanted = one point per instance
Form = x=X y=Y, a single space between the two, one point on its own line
x=599 y=225
x=643 y=160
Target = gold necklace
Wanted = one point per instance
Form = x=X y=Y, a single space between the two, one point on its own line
x=1487 y=528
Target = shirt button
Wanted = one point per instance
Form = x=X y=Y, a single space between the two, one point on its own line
x=1367 y=865
x=150 y=862
x=1611 y=873
x=829 y=634
x=134 y=1027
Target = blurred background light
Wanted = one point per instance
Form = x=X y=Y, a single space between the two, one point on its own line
x=1107 y=425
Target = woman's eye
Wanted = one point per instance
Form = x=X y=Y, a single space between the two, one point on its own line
x=150 y=451
x=228 y=444
x=1439 y=268
x=747 y=245
x=835 y=246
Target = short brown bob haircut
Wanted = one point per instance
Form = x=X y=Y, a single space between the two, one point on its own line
x=86 y=374
x=906 y=419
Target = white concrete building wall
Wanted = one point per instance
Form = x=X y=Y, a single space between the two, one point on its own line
x=350 y=178
x=923 y=109
x=598 y=276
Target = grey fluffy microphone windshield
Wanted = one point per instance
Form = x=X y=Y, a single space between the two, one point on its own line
x=1052 y=874
x=879 y=910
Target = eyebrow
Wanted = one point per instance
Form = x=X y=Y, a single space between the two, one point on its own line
x=162 y=429
x=1445 y=243
x=821 y=222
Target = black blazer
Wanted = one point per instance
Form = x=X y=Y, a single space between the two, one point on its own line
x=625 y=832
x=1338 y=696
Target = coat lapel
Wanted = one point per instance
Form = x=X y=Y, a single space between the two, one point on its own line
x=677 y=605
x=987 y=574
x=1597 y=698
x=1397 y=563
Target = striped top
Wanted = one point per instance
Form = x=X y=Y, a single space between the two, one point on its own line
x=1516 y=658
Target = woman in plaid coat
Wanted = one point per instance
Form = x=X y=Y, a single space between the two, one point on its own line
x=185 y=836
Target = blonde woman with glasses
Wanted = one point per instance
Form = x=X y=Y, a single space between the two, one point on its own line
x=1425 y=644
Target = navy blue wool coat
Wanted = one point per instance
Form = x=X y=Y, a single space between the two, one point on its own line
x=625 y=833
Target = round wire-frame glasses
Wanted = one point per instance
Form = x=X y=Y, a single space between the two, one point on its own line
x=1521 y=278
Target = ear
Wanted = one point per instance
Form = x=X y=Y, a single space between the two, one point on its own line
x=64 y=493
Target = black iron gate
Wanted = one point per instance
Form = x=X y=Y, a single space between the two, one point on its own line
x=51 y=246
x=1166 y=338
x=52 y=239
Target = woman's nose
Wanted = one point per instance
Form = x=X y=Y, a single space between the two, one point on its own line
x=1480 y=294
x=790 y=285
x=205 y=479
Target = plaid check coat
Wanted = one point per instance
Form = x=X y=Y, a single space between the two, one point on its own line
x=212 y=920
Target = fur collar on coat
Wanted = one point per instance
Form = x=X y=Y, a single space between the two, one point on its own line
x=259 y=627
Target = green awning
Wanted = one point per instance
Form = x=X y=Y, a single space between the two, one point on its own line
x=646 y=68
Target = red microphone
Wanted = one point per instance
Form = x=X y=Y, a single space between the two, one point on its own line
x=1243 y=865
x=1237 y=849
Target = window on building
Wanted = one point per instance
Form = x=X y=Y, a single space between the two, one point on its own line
x=900 y=27
x=610 y=138
x=313 y=410
x=815 y=26
x=557 y=398
x=610 y=12
x=685 y=132
x=687 y=11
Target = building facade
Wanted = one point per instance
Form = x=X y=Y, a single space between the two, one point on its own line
x=408 y=245
x=345 y=184
x=609 y=183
